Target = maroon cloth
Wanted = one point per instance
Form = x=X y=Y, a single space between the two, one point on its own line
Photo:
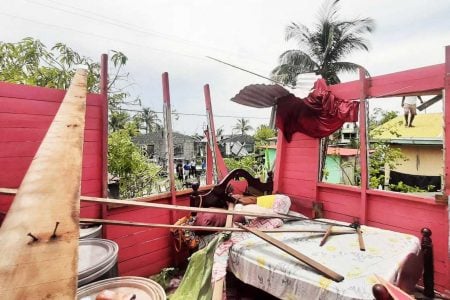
x=215 y=220
x=318 y=115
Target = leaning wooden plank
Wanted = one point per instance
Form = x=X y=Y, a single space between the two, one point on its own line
x=303 y=258
x=39 y=236
x=301 y=228
x=219 y=284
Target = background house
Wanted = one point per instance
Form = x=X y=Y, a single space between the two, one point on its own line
x=340 y=165
x=422 y=147
x=236 y=145
x=186 y=148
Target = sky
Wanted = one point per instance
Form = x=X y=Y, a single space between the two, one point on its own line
x=176 y=36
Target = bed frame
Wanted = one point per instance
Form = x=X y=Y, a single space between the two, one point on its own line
x=220 y=194
x=414 y=268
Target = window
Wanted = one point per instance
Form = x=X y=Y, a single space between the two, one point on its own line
x=150 y=151
x=178 y=150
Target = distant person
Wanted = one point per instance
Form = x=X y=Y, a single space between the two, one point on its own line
x=179 y=169
x=187 y=169
x=409 y=107
x=193 y=170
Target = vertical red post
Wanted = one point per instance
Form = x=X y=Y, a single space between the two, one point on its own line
x=104 y=120
x=363 y=144
x=281 y=141
x=218 y=165
x=209 y=161
x=447 y=134
x=447 y=121
x=169 y=138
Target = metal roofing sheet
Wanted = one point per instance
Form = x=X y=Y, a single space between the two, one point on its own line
x=260 y=95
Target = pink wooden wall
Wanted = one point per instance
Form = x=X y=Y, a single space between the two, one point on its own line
x=297 y=167
x=25 y=116
x=144 y=251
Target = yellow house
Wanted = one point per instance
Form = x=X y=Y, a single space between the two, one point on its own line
x=422 y=147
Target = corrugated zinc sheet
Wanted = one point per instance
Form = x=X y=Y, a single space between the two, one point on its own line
x=260 y=95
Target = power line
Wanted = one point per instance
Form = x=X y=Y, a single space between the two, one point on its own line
x=197 y=114
x=140 y=46
x=124 y=25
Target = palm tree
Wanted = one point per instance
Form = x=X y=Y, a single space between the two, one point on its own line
x=117 y=120
x=242 y=126
x=151 y=120
x=322 y=48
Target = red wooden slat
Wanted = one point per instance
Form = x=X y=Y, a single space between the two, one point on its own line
x=149 y=269
x=8 y=120
x=29 y=92
x=147 y=259
x=145 y=247
x=143 y=215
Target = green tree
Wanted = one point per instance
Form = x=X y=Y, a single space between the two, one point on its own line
x=263 y=134
x=118 y=120
x=242 y=126
x=150 y=119
x=322 y=48
x=127 y=162
x=247 y=163
x=29 y=61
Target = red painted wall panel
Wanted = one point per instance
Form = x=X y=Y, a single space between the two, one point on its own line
x=144 y=251
x=26 y=113
x=297 y=177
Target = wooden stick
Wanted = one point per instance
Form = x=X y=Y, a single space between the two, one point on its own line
x=201 y=228
x=303 y=258
x=174 y=207
x=39 y=236
x=362 y=247
x=325 y=237
x=219 y=285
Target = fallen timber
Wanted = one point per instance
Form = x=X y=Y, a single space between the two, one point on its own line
x=139 y=203
x=206 y=228
x=303 y=258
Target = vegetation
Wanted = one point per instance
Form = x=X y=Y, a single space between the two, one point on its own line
x=129 y=164
x=29 y=61
x=263 y=134
x=247 y=163
x=322 y=48
x=242 y=126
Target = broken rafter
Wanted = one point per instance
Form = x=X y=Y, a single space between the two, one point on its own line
x=303 y=258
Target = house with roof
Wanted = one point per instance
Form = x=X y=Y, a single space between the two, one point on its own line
x=340 y=165
x=236 y=145
x=186 y=148
x=422 y=147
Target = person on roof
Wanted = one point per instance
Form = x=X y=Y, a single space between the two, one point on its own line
x=409 y=107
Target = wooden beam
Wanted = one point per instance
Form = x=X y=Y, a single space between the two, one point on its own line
x=205 y=228
x=167 y=113
x=132 y=202
x=39 y=236
x=429 y=102
x=363 y=144
x=303 y=258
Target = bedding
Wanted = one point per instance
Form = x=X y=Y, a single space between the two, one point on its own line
x=259 y=264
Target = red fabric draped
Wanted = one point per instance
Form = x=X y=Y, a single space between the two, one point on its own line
x=318 y=115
